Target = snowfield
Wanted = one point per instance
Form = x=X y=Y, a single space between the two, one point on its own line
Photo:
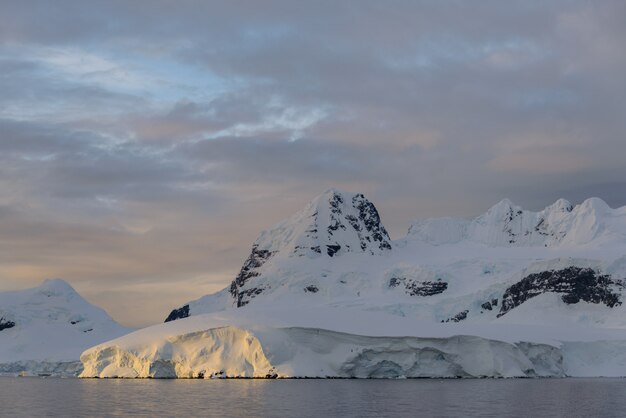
x=44 y=330
x=327 y=293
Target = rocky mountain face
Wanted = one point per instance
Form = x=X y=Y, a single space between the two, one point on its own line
x=331 y=225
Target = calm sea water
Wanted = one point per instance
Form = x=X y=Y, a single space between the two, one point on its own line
x=34 y=397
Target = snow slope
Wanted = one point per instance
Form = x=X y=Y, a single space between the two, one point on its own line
x=552 y=278
x=44 y=330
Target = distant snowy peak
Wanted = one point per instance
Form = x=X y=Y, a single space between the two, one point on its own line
x=54 y=302
x=44 y=329
x=506 y=224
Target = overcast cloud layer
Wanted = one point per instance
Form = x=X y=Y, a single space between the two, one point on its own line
x=144 y=144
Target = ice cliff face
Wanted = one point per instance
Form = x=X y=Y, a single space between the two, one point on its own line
x=44 y=329
x=307 y=352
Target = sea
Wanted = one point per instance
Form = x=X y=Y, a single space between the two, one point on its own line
x=69 y=397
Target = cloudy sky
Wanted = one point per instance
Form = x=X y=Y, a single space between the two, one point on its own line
x=144 y=144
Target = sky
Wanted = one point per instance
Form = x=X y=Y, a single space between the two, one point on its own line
x=145 y=144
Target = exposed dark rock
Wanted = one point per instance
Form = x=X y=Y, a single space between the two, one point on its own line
x=331 y=250
x=370 y=217
x=179 y=313
x=573 y=283
x=335 y=209
x=311 y=288
x=488 y=306
x=256 y=259
x=458 y=317
x=244 y=296
x=6 y=324
x=395 y=281
x=418 y=288
x=366 y=224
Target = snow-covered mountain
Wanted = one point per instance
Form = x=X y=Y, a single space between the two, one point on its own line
x=332 y=225
x=336 y=252
x=505 y=224
x=554 y=277
x=45 y=329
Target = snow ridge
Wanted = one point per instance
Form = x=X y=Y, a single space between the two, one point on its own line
x=506 y=224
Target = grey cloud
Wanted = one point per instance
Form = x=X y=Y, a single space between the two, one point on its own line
x=212 y=120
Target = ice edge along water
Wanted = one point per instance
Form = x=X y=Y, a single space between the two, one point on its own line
x=327 y=293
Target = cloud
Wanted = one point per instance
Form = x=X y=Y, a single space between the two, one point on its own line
x=142 y=148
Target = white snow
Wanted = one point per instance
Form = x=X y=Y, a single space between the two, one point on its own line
x=309 y=352
x=380 y=308
x=248 y=342
x=52 y=326
x=328 y=293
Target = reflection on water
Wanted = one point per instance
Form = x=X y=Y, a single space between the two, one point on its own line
x=32 y=397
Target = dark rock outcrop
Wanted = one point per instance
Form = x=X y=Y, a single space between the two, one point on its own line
x=419 y=288
x=179 y=313
x=490 y=305
x=458 y=317
x=244 y=296
x=573 y=283
x=6 y=324
x=370 y=218
x=249 y=270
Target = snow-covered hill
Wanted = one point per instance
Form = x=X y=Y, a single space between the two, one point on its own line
x=508 y=275
x=44 y=330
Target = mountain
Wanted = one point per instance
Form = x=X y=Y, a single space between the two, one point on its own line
x=506 y=224
x=43 y=330
x=337 y=251
x=551 y=284
x=330 y=226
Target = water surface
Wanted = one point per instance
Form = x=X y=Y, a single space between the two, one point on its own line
x=34 y=397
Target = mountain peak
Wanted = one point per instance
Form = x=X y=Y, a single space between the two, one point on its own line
x=56 y=286
x=561 y=205
x=331 y=192
x=502 y=207
x=595 y=204
x=332 y=224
